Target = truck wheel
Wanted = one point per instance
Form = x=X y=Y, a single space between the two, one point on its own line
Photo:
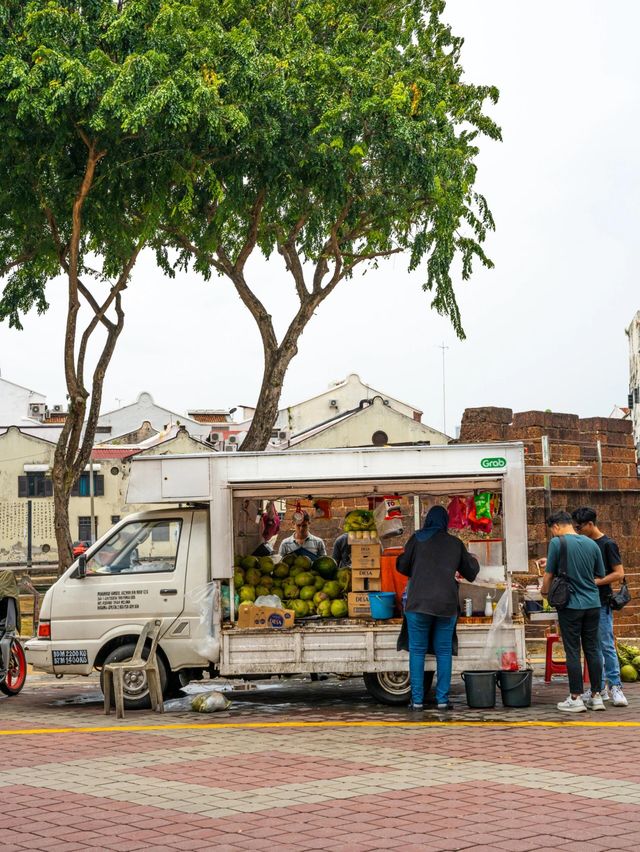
x=393 y=687
x=136 y=689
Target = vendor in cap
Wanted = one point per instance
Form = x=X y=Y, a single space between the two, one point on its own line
x=302 y=542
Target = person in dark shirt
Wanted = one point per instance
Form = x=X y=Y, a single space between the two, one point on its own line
x=431 y=560
x=579 y=620
x=342 y=551
x=585 y=522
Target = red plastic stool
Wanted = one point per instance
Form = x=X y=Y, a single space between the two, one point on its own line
x=552 y=666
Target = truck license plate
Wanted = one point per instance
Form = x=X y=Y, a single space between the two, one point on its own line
x=70 y=658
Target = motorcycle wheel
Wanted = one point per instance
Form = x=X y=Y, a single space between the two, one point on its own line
x=17 y=671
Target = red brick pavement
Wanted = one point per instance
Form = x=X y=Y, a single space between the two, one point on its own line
x=331 y=788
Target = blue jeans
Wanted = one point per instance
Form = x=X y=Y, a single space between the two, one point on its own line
x=440 y=629
x=611 y=668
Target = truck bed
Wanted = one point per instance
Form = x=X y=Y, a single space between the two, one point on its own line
x=345 y=647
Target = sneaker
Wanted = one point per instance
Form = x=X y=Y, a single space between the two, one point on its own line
x=572 y=705
x=416 y=708
x=618 y=697
x=604 y=694
x=596 y=703
x=444 y=708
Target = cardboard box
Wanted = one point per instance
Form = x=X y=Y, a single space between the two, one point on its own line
x=358 y=603
x=365 y=555
x=252 y=616
x=366 y=580
x=367 y=584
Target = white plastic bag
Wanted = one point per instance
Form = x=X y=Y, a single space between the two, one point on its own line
x=500 y=640
x=204 y=702
x=388 y=518
x=268 y=600
x=207 y=599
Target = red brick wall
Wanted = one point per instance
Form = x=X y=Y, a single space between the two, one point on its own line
x=573 y=441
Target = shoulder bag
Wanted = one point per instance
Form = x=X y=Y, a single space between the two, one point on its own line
x=560 y=590
x=621 y=597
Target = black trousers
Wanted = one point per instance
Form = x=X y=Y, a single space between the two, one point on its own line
x=580 y=627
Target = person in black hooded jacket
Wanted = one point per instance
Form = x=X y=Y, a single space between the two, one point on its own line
x=431 y=560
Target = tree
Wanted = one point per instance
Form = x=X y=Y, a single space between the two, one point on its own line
x=99 y=103
x=365 y=148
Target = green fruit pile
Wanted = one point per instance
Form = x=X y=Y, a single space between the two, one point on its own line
x=359 y=519
x=307 y=588
x=629 y=656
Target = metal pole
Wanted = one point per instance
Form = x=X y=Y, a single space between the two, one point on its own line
x=91 y=509
x=29 y=534
x=444 y=398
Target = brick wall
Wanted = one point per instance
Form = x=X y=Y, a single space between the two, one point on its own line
x=574 y=441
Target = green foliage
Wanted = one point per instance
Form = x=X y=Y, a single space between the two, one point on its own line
x=361 y=140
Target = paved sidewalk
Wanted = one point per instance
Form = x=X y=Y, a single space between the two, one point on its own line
x=303 y=766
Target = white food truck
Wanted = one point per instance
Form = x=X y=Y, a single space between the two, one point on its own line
x=154 y=564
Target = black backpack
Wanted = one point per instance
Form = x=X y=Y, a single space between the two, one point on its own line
x=560 y=590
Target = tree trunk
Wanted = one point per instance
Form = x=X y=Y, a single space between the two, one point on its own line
x=276 y=364
x=61 y=520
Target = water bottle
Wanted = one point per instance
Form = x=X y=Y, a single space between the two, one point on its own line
x=488 y=605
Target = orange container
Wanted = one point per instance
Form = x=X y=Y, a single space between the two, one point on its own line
x=392 y=581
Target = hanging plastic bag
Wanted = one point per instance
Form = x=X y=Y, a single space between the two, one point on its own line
x=457 y=510
x=269 y=600
x=500 y=651
x=482 y=503
x=388 y=517
x=207 y=599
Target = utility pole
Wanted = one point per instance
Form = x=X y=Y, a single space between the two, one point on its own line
x=444 y=397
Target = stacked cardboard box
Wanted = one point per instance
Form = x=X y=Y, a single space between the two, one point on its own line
x=365 y=577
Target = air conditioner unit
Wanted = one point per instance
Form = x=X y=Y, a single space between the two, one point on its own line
x=57 y=408
x=213 y=437
x=282 y=435
x=232 y=439
x=333 y=403
x=36 y=407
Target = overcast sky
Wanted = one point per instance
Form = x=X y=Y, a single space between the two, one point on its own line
x=545 y=328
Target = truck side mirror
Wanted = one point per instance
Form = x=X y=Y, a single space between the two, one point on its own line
x=82 y=566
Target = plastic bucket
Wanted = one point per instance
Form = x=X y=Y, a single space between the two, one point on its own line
x=480 y=688
x=515 y=688
x=381 y=604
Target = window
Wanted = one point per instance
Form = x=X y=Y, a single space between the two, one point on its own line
x=84 y=528
x=137 y=548
x=35 y=485
x=114 y=519
x=81 y=488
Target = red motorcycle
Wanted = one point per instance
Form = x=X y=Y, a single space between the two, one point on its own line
x=13 y=663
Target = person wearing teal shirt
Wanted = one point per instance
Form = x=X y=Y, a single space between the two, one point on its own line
x=580 y=620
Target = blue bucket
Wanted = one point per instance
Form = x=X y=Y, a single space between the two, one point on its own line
x=382 y=604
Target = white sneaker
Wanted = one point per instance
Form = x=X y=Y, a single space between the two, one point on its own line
x=572 y=705
x=604 y=694
x=596 y=703
x=618 y=697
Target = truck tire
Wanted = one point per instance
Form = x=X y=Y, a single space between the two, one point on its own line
x=136 y=690
x=393 y=687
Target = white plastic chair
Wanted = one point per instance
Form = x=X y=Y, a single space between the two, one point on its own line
x=114 y=673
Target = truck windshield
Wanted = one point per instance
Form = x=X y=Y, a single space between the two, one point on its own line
x=138 y=547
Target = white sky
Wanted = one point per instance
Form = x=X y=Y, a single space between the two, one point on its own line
x=545 y=328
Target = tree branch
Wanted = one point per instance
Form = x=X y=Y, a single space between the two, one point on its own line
x=252 y=236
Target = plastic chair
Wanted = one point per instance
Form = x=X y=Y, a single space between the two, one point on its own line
x=558 y=666
x=114 y=673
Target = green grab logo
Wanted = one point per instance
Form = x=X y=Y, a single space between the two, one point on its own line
x=494 y=464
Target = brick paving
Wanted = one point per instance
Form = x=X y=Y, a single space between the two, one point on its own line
x=309 y=775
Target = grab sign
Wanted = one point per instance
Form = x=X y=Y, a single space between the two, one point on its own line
x=493 y=463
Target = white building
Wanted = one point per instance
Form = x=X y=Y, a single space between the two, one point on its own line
x=633 y=333
x=20 y=406
x=339 y=398
x=128 y=419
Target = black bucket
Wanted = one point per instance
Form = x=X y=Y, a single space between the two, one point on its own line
x=515 y=688
x=480 y=688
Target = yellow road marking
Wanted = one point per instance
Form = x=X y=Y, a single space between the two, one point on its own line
x=217 y=726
